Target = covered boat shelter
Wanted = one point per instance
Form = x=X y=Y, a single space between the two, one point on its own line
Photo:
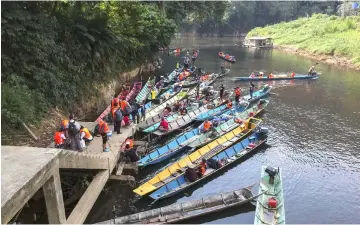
x=259 y=42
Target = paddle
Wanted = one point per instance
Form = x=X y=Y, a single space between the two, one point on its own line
x=277 y=94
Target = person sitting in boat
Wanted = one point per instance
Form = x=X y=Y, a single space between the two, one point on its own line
x=131 y=154
x=229 y=105
x=261 y=74
x=177 y=106
x=183 y=110
x=190 y=173
x=202 y=168
x=292 y=74
x=213 y=164
x=164 y=125
x=177 y=65
x=270 y=75
x=227 y=56
x=252 y=75
x=205 y=126
x=158 y=85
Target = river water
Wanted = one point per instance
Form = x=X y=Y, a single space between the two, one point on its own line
x=315 y=141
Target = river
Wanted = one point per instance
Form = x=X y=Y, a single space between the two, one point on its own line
x=315 y=141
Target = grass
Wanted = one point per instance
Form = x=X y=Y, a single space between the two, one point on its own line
x=319 y=34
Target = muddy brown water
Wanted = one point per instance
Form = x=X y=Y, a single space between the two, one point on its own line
x=315 y=140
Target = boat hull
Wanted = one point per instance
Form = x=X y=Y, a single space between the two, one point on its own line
x=264 y=214
x=297 y=77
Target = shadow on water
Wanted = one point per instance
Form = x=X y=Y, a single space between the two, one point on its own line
x=315 y=140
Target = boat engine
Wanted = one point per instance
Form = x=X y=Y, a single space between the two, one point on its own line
x=262 y=131
x=272 y=173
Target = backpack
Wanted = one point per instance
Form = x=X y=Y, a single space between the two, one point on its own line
x=128 y=109
x=72 y=129
x=118 y=115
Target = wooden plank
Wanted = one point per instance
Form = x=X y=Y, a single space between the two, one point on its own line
x=30 y=132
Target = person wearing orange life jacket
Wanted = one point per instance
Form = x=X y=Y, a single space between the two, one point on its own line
x=205 y=127
x=202 y=168
x=104 y=130
x=59 y=139
x=130 y=141
x=229 y=105
x=85 y=134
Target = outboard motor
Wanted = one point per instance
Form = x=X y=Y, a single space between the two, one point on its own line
x=272 y=173
x=262 y=131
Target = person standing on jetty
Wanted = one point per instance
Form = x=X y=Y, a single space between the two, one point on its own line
x=222 y=89
x=142 y=111
x=104 y=130
x=74 y=134
x=251 y=89
x=117 y=118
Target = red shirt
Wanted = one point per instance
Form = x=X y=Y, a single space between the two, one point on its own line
x=164 y=124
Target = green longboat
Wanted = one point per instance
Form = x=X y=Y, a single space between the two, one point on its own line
x=272 y=189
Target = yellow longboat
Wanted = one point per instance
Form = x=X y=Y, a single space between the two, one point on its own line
x=207 y=151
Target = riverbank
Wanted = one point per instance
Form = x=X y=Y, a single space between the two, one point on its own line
x=83 y=111
x=330 y=39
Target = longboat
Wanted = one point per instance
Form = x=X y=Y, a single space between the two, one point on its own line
x=145 y=90
x=223 y=56
x=279 y=77
x=270 y=207
x=179 y=212
x=134 y=91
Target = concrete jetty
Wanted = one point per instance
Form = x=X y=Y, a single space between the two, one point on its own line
x=26 y=169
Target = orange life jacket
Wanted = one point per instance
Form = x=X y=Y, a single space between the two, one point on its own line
x=237 y=92
x=87 y=133
x=292 y=74
x=123 y=105
x=103 y=127
x=65 y=124
x=203 y=168
x=130 y=142
x=58 y=139
x=229 y=105
x=207 y=125
x=181 y=76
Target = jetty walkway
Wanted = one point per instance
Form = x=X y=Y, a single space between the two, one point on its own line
x=27 y=169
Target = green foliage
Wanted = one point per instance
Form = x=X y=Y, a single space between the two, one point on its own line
x=323 y=34
x=53 y=53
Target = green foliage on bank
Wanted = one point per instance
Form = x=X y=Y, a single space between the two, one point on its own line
x=53 y=53
x=320 y=34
